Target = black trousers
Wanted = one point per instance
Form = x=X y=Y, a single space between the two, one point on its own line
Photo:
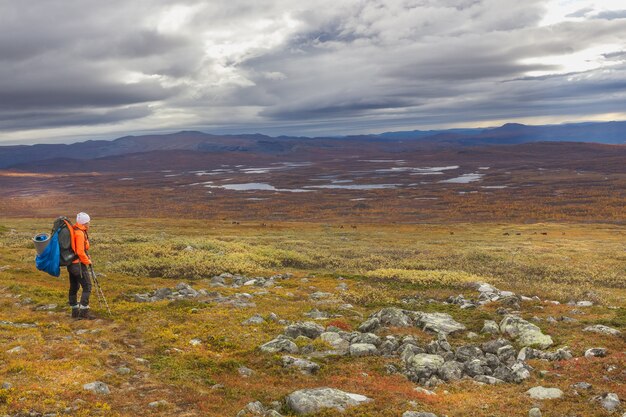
x=79 y=277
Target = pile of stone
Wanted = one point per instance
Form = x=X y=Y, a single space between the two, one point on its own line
x=492 y=362
x=396 y=317
x=235 y=280
x=487 y=293
x=185 y=291
x=181 y=291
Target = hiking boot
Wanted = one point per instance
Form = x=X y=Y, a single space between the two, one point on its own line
x=75 y=313
x=85 y=314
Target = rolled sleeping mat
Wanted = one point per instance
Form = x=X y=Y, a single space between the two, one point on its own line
x=41 y=242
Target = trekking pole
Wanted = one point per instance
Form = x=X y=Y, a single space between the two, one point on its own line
x=99 y=291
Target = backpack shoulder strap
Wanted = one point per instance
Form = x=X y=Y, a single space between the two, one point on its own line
x=72 y=231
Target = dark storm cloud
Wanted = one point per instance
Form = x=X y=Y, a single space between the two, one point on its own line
x=325 y=66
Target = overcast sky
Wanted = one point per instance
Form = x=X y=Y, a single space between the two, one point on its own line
x=80 y=69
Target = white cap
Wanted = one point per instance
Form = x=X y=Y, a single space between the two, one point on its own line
x=82 y=218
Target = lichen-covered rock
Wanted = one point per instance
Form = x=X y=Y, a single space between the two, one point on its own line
x=423 y=365
x=280 y=344
x=338 y=343
x=542 y=393
x=527 y=334
x=599 y=328
x=439 y=323
x=310 y=401
x=363 y=349
x=308 y=328
x=393 y=316
x=490 y=327
x=595 y=353
x=305 y=366
x=97 y=387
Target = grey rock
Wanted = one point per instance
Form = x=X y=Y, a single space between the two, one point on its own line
x=336 y=341
x=582 y=385
x=417 y=414
x=310 y=401
x=599 y=328
x=97 y=387
x=363 y=349
x=520 y=372
x=256 y=319
x=610 y=402
x=467 y=353
x=305 y=366
x=394 y=317
x=439 y=323
x=158 y=404
x=534 y=412
x=251 y=409
x=123 y=370
x=317 y=314
x=542 y=393
x=474 y=367
x=280 y=344
x=527 y=334
x=308 y=329
x=489 y=380
x=245 y=372
x=492 y=346
x=319 y=295
x=6 y=385
x=424 y=365
x=369 y=325
x=162 y=293
x=16 y=350
x=595 y=353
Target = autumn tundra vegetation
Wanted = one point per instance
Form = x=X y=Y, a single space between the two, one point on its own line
x=473 y=286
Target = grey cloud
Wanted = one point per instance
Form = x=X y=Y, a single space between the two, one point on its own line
x=611 y=15
x=312 y=66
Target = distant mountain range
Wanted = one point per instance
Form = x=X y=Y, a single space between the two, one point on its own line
x=613 y=133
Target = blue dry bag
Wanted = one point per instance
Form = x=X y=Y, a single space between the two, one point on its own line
x=48 y=260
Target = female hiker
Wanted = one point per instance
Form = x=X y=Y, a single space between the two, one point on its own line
x=79 y=275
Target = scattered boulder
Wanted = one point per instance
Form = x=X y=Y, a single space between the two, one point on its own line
x=158 y=404
x=308 y=329
x=542 y=393
x=363 y=349
x=490 y=327
x=310 y=401
x=257 y=409
x=338 y=343
x=610 y=402
x=97 y=387
x=534 y=412
x=527 y=334
x=256 y=319
x=418 y=414
x=423 y=365
x=599 y=328
x=439 y=323
x=582 y=385
x=595 y=353
x=245 y=372
x=16 y=350
x=280 y=344
x=305 y=366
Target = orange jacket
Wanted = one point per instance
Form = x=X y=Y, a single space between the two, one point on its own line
x=81 y=244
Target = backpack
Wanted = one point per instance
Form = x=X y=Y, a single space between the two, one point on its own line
x=64 y=229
